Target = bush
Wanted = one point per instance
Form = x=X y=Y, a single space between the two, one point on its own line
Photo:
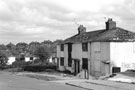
x=39 y=68
x=20 y=64
x=3 y=67
x=67 y=72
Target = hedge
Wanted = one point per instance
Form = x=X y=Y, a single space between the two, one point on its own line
x=39 y=68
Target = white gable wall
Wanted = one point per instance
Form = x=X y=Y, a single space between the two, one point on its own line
x=60 y=54
x=65 y=55
x=123 y=55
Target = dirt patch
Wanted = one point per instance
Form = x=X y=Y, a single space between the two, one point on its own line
x=46 y=78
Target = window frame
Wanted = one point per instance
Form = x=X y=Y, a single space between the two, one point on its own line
x=85 y=47
x=31 y=58
x=61 y=61
x=85 y=64
x=62 y=47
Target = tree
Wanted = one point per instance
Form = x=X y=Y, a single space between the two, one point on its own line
x=43 y=52
x=54 y=45
x=22 y=47
x=3 y=58
x=3 y=47
x=10 y=46
x=12 y=49
x=47 y=42
x=32 y=47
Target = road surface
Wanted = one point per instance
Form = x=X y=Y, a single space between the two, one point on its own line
x=9 y=81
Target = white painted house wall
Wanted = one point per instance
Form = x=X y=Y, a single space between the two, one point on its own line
x=120 y=54
x=27 y=59
x=97 y=52
x=77 y=53
x=11 y=60
x=123 y=55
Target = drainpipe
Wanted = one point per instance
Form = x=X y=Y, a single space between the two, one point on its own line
x=89 y=61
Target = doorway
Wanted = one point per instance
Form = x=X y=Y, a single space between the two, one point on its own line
x=58 y=63
x=77 y=66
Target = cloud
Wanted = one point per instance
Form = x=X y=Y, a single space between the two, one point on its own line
x=37 y=20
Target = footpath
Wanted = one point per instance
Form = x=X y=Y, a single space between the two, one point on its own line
x=83 y=83
x=102 y=85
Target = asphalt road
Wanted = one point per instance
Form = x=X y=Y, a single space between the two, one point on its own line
x=9 y=81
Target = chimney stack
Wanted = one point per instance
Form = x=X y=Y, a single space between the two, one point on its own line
x=81 y=29
x=110 y=24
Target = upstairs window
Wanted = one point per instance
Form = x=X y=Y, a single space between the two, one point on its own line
x=62 y=47
x=84 y=46
x=69 y=47
x=62 y=61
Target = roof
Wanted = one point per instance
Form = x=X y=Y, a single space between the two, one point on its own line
x=114 y=35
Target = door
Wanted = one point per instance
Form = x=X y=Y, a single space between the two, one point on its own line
x=58 y=63
x=70 y=54
x=77 y=66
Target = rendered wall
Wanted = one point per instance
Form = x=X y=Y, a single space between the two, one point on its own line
x=100 y=52
x=60 y=54
x=97 y=52
x=123 y=55
x=77 y=53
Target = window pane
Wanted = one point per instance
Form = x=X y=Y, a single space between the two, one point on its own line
x=85 y=63
x=84 y=46
x=62 y=47
x=62 y=61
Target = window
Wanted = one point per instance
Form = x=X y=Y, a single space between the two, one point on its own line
x=62 y=61
x=116 y=69
x=84 y=46
x=62 y=47
x=69 y=62
x=69 y=47
x=31 y=58
x=85 y=63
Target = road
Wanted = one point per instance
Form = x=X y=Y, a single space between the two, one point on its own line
x=9 y=81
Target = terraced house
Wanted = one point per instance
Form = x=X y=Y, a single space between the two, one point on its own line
x=100 y=52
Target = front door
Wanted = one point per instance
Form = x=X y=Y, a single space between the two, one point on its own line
x=77 y=66
x=58 y=63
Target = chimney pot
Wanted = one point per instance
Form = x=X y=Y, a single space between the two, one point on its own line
x=110 y=24
x=81 y=29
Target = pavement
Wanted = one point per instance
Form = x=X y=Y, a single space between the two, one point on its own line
x=53 y=77
x=102 y=85
x=87 y=84
x=126 y=77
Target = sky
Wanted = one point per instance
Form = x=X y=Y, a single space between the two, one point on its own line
x=39 y=20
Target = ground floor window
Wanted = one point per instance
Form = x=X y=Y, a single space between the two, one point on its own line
x=115 y=69
x=85 y=63
x=62 y=61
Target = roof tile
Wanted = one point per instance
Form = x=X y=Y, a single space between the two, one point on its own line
x=116 y=34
